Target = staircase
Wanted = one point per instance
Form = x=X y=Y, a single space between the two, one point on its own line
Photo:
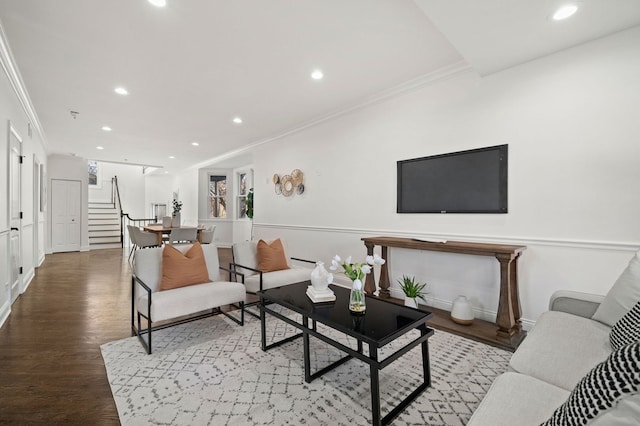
x=104 y=226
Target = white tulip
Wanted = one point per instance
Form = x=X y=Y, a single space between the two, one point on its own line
x=370 y=260
x=348 y=260
x=357 y=284
x=366 y=269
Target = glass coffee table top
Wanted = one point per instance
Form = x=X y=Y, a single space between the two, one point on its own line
x=382 y=322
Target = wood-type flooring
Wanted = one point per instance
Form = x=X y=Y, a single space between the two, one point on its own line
x=51 y=368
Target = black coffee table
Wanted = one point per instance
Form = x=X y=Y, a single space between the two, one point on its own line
x=382 y=323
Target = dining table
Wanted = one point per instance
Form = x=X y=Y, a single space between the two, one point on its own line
x=160 y=230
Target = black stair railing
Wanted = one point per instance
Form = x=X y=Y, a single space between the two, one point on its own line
x=125 y=219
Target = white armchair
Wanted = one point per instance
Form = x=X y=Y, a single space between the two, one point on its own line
x=187 y=303
x=245 y=261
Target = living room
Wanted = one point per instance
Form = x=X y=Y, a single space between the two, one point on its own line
x=569 y=117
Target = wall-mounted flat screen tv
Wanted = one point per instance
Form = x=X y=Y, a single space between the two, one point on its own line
x=473 y=181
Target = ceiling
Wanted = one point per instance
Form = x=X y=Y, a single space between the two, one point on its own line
x=194 y=65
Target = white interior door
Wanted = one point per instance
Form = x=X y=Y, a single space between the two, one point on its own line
x=15 y=213
x=66 y=200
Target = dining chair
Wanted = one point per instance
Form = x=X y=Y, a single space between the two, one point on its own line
x=206 y=235
x=132 y=238
x=183 y=235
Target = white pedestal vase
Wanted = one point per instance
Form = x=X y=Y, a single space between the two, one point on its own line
x=175 y=221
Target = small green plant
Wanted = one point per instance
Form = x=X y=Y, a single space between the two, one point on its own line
x=411 y=288
x=177 y=206
x=249 y=203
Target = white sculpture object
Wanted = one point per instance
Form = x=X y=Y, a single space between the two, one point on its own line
x=319 y=290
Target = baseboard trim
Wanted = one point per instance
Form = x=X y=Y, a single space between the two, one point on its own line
x=516 y=240
x=26 y=280
x=5 y=310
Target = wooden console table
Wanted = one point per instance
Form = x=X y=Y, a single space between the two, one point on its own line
x=509 y=332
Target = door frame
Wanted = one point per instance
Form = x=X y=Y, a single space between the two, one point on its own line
x=54 y=201
x=14 y=132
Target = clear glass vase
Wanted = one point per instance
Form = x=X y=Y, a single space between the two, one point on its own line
x=357 y=299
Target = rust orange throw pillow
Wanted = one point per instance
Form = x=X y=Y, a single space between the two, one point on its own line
x=181 y=270
x=271 y=256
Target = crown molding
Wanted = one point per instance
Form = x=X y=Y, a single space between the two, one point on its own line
x=409 y=86
x=13 y=75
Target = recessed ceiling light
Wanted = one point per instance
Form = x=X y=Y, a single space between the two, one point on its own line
x=172 y=157
x=237 y=120
x=565 y=12
x=121 y=91
x=107 y=128
x=195 y=143
x=317 y=75
x=158 y=3
x=99 y=147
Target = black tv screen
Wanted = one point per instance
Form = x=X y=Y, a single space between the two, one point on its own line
x=473 y=181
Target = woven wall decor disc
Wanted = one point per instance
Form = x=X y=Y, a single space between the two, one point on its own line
x=278 y=189
x=300 y=188
x=276 y=178
x=287 y=185
x=296 y=177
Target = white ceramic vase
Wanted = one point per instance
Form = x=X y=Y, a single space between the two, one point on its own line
x=175 y=221
x=462 y=311
x=411 y=302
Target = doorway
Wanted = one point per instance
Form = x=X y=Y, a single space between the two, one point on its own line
x=66 y=201
x=15 y=213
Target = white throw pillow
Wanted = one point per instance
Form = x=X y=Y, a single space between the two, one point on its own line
x=622 y=296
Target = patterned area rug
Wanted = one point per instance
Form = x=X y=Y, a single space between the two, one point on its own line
x=213 y=372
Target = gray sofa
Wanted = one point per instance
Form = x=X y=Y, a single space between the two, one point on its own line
x=568 y=343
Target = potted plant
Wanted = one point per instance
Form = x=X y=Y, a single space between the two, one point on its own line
x=175 y=221
x=412 y=290
x=249 y=203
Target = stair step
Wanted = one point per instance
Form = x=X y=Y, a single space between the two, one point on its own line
x=94 y=216
x=104 y=246
x=106 y=239
x=103 y=211
x=94 y=234
x=105 y=221
x=104 y=227
x=101 y=205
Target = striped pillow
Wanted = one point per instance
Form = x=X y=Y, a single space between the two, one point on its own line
x=609 y=382
x=627 y=329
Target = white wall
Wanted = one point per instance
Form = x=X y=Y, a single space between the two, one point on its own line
x=13 y=113
x=158 y=190
x=571 y=122
x=131 y=184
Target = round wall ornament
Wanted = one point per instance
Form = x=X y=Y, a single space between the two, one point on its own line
x=287 y=185
x=296 y=177
x=276 y=178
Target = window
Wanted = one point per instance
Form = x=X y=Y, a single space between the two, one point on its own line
x=217 y=196
x=94 y=174
x=242 y=196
